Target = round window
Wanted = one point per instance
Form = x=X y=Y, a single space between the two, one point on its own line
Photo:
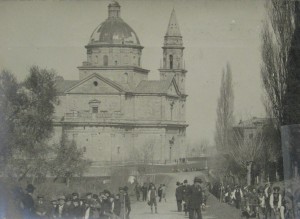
x=95 y=83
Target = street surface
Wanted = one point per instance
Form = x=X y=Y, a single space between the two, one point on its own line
x=168 y=210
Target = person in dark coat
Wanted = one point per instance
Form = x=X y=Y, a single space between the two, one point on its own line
x=179 y=196
x=185 y=188
x=76 y=209
x=137 y=190
x=40 y=208
x=127 y=201
x=159 y=192
x=27 y=203
x=144 y=191
x=60 y=210
x=195 y=199
x=117 y=206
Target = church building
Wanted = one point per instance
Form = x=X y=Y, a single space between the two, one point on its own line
x=113 y=112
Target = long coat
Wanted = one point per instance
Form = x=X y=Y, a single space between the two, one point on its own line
x=195 y=197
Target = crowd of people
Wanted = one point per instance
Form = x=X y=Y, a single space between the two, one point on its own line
x=264 y=202
x=104 y=205
x=191 y=198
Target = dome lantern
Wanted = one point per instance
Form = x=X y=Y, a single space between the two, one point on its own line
x=114 y=10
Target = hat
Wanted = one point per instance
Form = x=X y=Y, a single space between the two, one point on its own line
x=40 y=196
x=198 y=179
x=276 y=189
x=75 y=194
x=30 y=188
x=177 y=183
x=185 y=181
x=62 y=197
x=88 y=194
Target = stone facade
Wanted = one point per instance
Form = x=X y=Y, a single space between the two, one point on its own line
x=113 y=112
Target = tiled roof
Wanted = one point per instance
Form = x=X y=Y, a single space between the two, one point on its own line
x=63 y=85
x=152 y=87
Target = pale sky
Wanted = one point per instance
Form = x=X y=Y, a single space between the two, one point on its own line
x=52 y=34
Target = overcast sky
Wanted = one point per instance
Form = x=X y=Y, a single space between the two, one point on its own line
x=52 y=34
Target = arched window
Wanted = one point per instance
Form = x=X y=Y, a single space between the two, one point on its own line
x=171 y=61
x=126 y=77
x=105 y=60
x=116 y=62
x=96 y=60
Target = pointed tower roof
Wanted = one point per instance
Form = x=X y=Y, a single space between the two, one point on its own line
x=173 y=27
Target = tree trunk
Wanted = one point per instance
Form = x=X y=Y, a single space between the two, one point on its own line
x=68 y=181
x=249 y=173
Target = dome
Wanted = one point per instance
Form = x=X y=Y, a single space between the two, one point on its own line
x=114 y=30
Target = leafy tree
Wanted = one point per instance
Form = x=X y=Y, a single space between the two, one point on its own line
x=68 y=160
x=26 y=110
x=225 y=118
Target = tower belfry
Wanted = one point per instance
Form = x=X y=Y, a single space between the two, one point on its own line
x=173 y=54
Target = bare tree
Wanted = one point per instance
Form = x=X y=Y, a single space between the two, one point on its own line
x=225 y=118
x=247 y=151
x=277 y=35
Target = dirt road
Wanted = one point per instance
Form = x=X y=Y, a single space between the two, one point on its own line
x=168 y=210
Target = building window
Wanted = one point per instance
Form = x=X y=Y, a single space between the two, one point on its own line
x=105 y=60
x=96 y=60
x=95 y=83
x=126 y=77
x=116 y=62
x=94 y=109
x=171 y=61
x=84 y=149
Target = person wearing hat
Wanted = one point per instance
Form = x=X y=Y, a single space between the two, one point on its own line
x=27 y=203
x=127 y=202
x=163 y=192
x=76 y=209
x=40 y=207
x=185 y=189
x=179 y=196
x=238 y=195
x=267 y=194
x=117 y=206
x=261 y=200
x=195 y=199
x=144 y=192
x=60 y=211
x=152 y=195
x=275 y=202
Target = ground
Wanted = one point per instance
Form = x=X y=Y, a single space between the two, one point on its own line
x=168 y=210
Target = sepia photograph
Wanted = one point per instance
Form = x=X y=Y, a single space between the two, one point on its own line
x=149 y=109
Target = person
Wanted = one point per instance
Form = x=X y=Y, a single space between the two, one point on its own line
x=40 y=207
x=52 y=208
x=238 y=195
x=144 y=191
x=127 y=201
x=267 y=194
x=60 y=210
x=185 y=188
x=27 y=202
x=261 y=204
x=164 y=192
x=159 y=192
x=195 y=199
x=77 y=212
x=275 y=203
x=117 y=207
x=152 y=194
x=179 y=196
x=137 y=190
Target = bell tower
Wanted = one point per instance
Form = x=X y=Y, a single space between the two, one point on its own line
x=173 y=54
